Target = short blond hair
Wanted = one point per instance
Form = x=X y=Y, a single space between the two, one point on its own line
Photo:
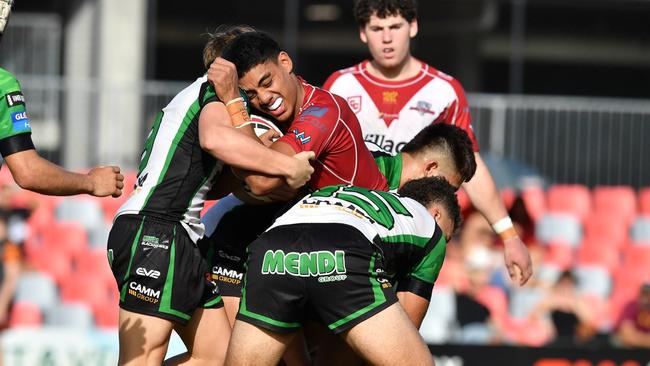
x=218 y=39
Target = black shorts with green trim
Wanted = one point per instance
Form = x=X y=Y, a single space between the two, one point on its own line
x=330 y=271
x=226 y=245
x=158 y=269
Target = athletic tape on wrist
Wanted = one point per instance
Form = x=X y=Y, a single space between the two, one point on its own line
x=502 y=225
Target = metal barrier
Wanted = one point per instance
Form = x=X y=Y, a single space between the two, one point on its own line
x=592 y=141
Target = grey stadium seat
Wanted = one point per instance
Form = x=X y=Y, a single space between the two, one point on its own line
x=38 y=289
x=640 y=231
x=559 y=227
x=76 y=316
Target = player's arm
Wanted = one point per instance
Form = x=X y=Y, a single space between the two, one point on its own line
x=264 y=184
x=414 y=305
x=414 y=290
x=226 y=143
x=34 y=173
x=485 y=197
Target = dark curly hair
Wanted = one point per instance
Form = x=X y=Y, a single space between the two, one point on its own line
x=452 y=141
x=364 y=9
x=250 y=49
x=434 y=190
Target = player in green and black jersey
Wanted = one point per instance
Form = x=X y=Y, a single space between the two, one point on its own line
x=28 y=169
x=336 y=255
x=160 y=273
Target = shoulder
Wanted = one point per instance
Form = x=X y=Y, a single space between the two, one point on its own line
x=8 y=82
x=446 y=78
x=341 y=75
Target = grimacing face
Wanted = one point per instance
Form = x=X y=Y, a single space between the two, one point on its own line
x=388 y=39
x=271 y=88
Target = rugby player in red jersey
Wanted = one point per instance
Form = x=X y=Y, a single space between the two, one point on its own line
x=314 y=119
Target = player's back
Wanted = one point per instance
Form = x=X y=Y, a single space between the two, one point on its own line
x=327 y=126
x=175 y=174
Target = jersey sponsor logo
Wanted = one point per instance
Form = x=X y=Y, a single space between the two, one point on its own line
x=355 y=103
x=390 y=96
x=154 y=242
x=315 y=111
x=226 y=275
x=391 y=146
x=305 y=264
x=15 y=98
x=376 y=206
x=301 y=137
x=148 y=272
x=423 y=107
x=20 y=121
x=144 y=293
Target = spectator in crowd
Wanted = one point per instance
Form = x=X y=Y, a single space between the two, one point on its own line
x=477 y=315
x=565 y=315
x=9 y=272
x=634 y=323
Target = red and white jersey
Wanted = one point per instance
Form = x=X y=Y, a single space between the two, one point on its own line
x=326 y=125
x=391 y=113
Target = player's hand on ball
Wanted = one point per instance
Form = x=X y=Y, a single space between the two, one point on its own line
x=223 y=76
x=302 y=170
x=106 y=181
x=517 y=260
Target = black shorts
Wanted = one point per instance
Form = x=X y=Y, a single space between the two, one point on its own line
x=226 y=246
x=330 y=271
x=158 y=269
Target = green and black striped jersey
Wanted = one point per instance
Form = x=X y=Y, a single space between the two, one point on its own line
x=389 y=165
x=411 y=242
x=15 y=131
x=175 y=174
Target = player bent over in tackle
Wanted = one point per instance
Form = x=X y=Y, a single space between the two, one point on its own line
x=160 y=273
x=336 y=254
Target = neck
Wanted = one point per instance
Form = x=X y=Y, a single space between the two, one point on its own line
x=300 y=96
x=409 y=169
x=406 y=69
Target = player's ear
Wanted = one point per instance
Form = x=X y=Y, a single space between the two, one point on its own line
x=413 y=28
x=285 y=61
x=362 y=34
x=430 y=168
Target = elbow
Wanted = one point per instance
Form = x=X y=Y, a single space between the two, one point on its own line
x=260 y=186
x=24 y=179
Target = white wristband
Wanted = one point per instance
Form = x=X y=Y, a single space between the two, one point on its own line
x=235 y=100
x=502 y=225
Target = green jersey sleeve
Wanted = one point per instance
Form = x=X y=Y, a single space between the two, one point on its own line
x=390 y=166
x=15 y=131
x=208 y=94
x=424 y=274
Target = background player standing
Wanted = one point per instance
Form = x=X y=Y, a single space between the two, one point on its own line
x=395 y=95
x=29 y=169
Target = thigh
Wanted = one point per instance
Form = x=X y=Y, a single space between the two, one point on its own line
x=253 y=345
x=143 y=339
x=206 y=337
x=389 y=338
x=231 y=306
